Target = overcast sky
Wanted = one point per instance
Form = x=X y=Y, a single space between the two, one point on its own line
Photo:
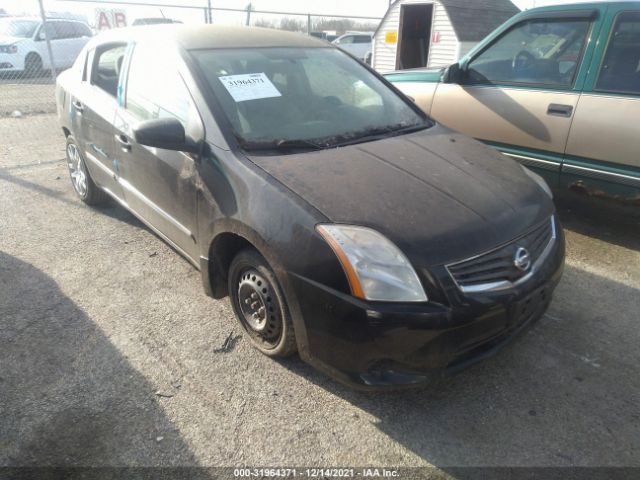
x=373 y=8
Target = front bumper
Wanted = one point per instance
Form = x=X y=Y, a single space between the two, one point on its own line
x=11 y=62
x=378 y=345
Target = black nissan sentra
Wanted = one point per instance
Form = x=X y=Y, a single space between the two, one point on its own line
x=342 y=222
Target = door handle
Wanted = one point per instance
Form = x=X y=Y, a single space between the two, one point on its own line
x=78 y=106
x=124 y=142
x=558 y=110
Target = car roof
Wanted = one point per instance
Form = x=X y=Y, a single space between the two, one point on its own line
x=198 y=37
x=615 y=4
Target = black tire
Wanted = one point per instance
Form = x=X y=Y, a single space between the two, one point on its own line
x=33 y=65
x=91 y=194
x=271 y=333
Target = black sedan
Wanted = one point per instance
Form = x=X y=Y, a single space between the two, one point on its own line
x=342 y=221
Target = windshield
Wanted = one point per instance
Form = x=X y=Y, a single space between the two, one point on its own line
x=303 y=98
x=18 y=28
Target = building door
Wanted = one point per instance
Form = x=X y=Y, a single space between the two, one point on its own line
x=415 y=36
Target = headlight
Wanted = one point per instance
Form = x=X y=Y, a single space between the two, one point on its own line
x=8 y=49
x=376 y=269
x=539 y=180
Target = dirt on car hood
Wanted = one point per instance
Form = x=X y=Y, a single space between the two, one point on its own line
x=438 y=195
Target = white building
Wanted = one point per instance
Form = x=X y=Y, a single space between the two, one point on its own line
x=434 y=33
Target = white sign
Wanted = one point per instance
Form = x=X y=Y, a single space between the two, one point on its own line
x=252 y=86
x=108 y=19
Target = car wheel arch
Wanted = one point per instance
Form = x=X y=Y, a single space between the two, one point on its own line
x=224 y=246
x=34 y=55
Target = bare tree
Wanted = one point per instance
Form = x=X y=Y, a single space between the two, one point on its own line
x=342 y=25
x=264 y=23
x=292 y=25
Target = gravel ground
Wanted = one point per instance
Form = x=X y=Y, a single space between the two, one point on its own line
x=109 y=354
x=34 y=96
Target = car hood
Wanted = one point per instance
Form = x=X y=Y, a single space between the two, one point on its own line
x=8 y=40
x=438 y=195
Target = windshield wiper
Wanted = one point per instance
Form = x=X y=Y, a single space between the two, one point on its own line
x=282 y=144
x=371 y=134
x=360 y=136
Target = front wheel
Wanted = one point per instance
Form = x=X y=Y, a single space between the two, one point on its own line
x=260 y=306
x=33 y=65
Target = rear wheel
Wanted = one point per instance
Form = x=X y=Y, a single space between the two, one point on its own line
x=82 y=182
x=33 y=65
x=260 y=306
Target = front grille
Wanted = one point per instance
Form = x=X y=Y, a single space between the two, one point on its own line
x=496 y=269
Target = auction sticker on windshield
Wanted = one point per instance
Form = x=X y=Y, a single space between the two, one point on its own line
x=252 y=86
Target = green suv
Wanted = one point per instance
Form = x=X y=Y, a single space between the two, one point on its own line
x=557 y=88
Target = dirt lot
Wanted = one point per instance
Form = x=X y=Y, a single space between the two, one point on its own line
x=109 y=354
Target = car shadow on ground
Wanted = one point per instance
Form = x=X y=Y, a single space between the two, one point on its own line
x=552 y=398
x=599 y=218
x=110 y=208
x=69 y=397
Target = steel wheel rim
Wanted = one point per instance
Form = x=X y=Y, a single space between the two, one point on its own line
x=258 y=307
x=77 y=170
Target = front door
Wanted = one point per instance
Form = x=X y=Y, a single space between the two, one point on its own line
x=520 y=93
x=159 y=185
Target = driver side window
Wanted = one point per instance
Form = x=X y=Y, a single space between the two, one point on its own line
x=539 y=52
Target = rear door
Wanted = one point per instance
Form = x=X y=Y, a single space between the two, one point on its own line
x=81 y=35
x=604 y=142
x=97 y=103
x=62 y=43
x=520 y=92
x=159 y=185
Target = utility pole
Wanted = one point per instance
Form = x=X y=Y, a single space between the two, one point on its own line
x=209 y=17
x=248 y=14
x=45 y=29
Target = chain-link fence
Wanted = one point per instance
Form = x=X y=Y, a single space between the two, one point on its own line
x=27 y=72
x=37 y=44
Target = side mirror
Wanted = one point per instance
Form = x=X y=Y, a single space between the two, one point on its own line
x=42 y=36
x=166 y=133
x=453 y=74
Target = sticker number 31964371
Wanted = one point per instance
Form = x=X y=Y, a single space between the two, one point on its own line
x=252 y=86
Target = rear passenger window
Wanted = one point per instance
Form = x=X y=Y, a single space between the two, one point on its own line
x=81 y=30
x=620 y=71
x=155 y=88
x=107 y=65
